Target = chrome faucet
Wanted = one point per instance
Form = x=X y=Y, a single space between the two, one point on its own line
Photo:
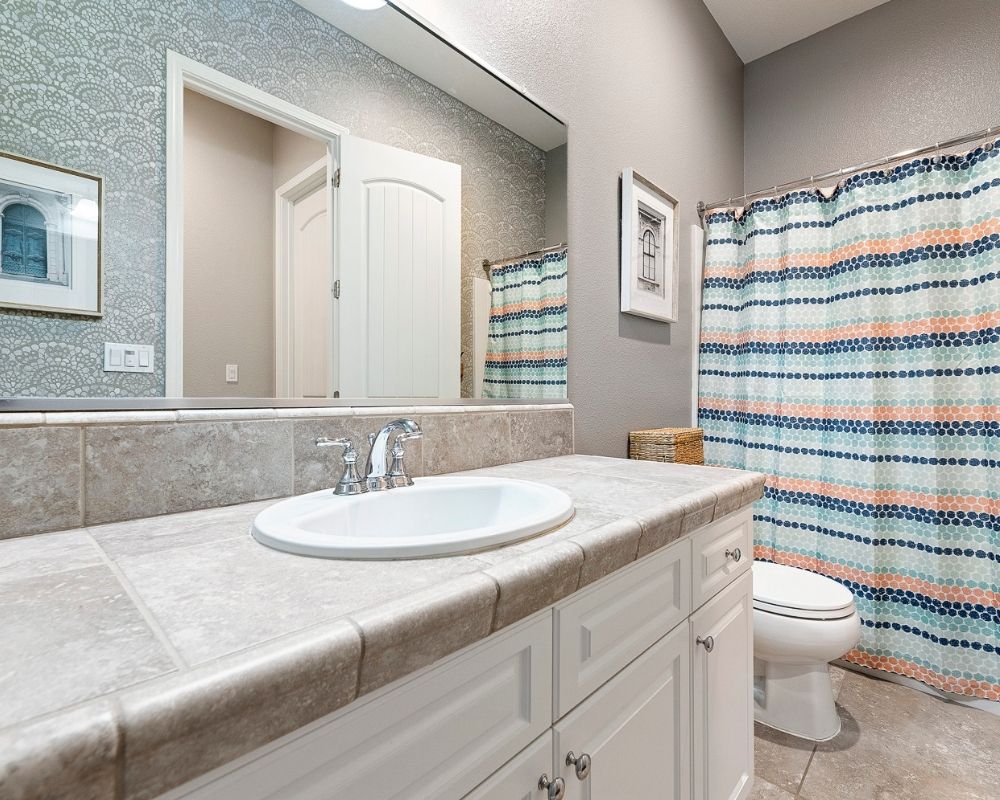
x=377 y=476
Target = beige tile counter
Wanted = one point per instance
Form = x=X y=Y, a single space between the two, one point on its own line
x=135 y=656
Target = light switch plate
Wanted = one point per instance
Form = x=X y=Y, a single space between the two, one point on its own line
x=232 y=373
x=120 y=357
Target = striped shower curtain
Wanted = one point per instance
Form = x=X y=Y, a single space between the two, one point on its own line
x=851 y=351
x=526 y=349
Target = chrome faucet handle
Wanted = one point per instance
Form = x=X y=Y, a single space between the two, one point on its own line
x=350 y=482
x=397 y=475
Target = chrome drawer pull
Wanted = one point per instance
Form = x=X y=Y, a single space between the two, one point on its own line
x=556 y=788
x=708 y=642
x=735 y=554
x=581 y=762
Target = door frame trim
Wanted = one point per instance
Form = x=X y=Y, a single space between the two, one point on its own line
x=186 y=73
x=285 y=197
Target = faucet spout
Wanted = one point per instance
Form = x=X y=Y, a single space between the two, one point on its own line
x=378 y=455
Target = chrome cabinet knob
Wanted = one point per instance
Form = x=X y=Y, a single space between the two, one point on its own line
x=556 y=789
x=581 y=762
x=708 y=642
x=735 y=554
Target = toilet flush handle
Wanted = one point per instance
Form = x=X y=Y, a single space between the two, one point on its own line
x=708 y=642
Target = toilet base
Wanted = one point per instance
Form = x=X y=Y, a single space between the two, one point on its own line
x=795 y=699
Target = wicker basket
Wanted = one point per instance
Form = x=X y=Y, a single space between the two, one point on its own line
x=676 y=445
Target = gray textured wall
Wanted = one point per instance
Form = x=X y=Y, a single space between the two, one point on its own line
x=82 y=84
x=903 y=75
x=649 y=84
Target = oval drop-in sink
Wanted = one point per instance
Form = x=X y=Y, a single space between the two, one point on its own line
x=434 y=517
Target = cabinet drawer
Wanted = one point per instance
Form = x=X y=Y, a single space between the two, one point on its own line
x=604 y=627
x=721 y=552
x=437 y=735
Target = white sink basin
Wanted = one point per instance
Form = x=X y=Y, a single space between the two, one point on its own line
x=434 y=517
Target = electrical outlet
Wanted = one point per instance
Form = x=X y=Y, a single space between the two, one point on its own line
x=232 y=373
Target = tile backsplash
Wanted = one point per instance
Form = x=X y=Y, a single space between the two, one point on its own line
x=66 y=470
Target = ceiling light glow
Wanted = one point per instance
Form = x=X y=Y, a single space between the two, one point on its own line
x=365 y=5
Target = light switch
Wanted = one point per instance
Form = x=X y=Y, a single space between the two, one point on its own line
x=120 y=357
x=232 y=373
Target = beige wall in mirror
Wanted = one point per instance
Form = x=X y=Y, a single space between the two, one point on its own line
x=334 y=214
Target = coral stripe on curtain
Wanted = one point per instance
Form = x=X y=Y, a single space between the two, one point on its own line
x=851 y=351
x=526 y=349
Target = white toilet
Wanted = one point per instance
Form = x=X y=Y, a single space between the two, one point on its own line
x=801 y=621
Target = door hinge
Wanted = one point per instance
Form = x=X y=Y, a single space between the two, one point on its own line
x=336 y=290
x=336 y=178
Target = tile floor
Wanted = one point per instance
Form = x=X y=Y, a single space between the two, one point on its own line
x=896 y=744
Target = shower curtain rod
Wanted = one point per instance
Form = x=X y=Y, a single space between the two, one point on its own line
x=487 y=263
x=704 y=208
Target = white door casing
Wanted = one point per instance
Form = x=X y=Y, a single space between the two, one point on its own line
x=400 y=273
x=185 y=73
x=303 y=286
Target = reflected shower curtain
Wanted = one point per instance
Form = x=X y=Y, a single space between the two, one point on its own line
x=526 y=349
x=851 y=351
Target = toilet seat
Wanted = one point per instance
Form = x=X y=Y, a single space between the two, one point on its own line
x=792 y=592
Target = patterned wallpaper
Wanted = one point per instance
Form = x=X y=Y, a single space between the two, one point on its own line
x=82 y=84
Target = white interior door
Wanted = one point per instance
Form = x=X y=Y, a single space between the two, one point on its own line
x=399 y=271
x=312 y=356
x=304 y=356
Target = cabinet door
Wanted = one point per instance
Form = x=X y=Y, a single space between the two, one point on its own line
x=635 y=730
x=518 y=779
x=600 y=630
x=722 y=694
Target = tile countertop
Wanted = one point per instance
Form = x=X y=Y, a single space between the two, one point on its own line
x=138 y=655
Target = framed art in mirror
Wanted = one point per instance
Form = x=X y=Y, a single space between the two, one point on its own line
x=50 y=237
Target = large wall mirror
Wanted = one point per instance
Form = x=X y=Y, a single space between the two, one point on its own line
x=308 y=202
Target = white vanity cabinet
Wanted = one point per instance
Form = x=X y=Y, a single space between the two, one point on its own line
x=645 y=677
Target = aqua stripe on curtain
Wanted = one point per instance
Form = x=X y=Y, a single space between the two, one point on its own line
x=851 y=351
x=526 y=350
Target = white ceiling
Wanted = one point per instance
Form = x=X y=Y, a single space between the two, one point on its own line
x=758 y=27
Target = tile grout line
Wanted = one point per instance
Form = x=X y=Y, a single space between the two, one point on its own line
x=83 y=476
x=805 y=772
x=146 y=614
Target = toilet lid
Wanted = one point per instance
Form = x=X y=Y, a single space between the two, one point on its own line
x=797 y=593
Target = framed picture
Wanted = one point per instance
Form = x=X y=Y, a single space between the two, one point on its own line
x=50 y=237
x=649 y=225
